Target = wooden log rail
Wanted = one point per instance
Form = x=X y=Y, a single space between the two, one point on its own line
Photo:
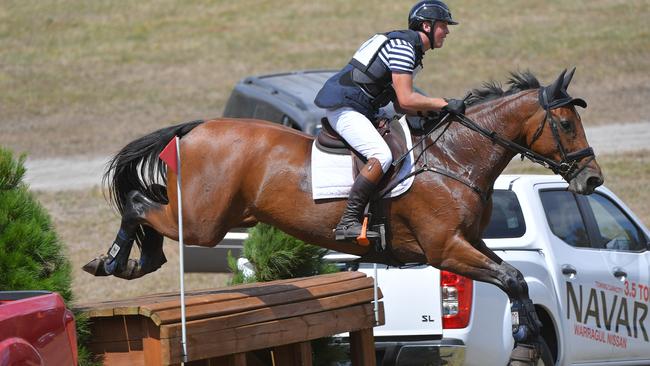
x=229 y=326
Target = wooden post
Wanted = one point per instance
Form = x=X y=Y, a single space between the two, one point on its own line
x=296 y=354
x=362 y=348
x=151 y=344
x=237 y=359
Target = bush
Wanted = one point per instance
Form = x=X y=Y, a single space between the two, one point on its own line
x=31 y=254
x=276 y=255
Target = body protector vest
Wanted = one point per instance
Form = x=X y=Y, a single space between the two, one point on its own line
x=371 y=74
x=365 y=83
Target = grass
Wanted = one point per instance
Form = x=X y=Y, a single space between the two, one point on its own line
x=86 y=223
x=82 y=77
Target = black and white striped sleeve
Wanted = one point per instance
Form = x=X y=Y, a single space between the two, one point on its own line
x=399 y=56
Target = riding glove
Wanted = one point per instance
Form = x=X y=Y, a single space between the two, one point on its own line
x=455 y=106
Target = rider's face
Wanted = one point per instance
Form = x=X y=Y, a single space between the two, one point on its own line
x=440 y=31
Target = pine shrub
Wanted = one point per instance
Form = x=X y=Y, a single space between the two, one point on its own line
x=276 y=255
x=31 y=255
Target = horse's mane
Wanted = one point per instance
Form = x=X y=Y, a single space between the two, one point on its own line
x=518 y=81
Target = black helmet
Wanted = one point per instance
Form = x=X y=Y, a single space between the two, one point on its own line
x=429 y=10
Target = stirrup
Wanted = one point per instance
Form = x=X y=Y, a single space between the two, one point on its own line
x=363 y=236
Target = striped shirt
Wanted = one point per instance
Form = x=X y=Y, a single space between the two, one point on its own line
x=398 y=55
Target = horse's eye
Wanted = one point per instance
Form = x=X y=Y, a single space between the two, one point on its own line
x=566 y=125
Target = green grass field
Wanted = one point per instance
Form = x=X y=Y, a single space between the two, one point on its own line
x=84 y=77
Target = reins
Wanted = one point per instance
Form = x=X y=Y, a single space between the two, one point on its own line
x=567 y=167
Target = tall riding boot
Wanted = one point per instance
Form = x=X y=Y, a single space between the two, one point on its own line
x=364 y=186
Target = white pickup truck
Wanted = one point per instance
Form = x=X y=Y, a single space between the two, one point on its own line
x=587 y=265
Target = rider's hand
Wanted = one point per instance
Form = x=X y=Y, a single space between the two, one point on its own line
x=455 y=106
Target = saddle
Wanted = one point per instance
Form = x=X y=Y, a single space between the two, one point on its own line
x=329 y=141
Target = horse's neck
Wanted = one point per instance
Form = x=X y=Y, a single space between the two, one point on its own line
x=473 y=155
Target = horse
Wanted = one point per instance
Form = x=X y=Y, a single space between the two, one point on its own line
x=236 y=173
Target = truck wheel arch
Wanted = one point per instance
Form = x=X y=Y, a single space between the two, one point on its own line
x=549 y=330
x=16 y=351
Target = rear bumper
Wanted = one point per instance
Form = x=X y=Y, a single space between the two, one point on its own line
x=411 y=352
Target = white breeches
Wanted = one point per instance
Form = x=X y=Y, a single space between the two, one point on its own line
x=358 y=131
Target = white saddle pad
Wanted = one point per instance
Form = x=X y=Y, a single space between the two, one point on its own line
x=331 y=174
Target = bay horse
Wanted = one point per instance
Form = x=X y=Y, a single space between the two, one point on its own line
x=236 y=173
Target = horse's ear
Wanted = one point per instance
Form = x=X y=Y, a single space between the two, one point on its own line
x=555 y=88
x=567 y=79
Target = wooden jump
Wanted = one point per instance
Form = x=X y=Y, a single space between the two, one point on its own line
x=225 y=326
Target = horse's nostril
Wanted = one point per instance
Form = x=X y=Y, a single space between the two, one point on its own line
x=594 y=181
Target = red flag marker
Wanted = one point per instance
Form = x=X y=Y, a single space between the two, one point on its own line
x=169 y=155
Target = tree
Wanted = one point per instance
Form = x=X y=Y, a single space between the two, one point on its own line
x=31 y=254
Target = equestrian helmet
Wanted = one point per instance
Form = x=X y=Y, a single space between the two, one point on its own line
x=429 y=10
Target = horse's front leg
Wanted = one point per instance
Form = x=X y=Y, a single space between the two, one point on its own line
x=481 y=264
x=523 y=309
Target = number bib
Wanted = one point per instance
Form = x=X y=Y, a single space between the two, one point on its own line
x=368 y=50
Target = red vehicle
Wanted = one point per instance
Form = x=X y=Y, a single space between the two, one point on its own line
x=36 y=328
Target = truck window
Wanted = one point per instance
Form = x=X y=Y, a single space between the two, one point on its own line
x=614 y=229
x=564 y=217
x=267 y=112
x=507 y=220
x=239 y=106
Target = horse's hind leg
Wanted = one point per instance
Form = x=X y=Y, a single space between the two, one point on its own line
x=116 y=261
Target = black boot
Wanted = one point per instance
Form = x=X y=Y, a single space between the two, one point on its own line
x=364 y=186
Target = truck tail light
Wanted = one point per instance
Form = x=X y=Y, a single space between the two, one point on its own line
x=71 y=331
x=456 y=300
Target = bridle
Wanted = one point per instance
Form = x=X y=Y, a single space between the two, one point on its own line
x=568 y=167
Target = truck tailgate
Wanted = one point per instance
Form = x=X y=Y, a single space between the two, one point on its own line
x=411 y=300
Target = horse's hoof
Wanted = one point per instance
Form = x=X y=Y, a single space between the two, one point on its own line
x=524 y=355
x=521 y=334
x=132 y=271
x=96 y=267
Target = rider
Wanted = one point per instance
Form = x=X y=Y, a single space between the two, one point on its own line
x=382 y=70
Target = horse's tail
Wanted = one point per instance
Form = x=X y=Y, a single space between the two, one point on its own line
x=137 y=166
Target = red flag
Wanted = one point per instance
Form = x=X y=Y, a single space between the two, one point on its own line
x=168 y=155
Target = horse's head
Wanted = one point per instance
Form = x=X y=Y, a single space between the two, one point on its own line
x=556 y=132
